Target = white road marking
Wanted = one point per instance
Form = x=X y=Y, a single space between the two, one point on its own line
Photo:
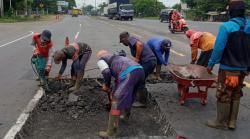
x=23 y=37
x=112 y=25
x=177 y=53
x=121 y=29
x=22 y=119
x=136 y=35
x=77 y=34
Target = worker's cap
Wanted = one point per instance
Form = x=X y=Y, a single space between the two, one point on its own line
x=236 y=5
x=123 y=35
x=166 y=43
x=46 y=36
x=189 y=33
x=102 y=53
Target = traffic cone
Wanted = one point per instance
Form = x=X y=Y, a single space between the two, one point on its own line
x=66 y=41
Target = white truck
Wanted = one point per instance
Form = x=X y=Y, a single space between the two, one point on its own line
x=121 y=10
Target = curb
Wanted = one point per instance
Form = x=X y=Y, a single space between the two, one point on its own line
x=24 y=116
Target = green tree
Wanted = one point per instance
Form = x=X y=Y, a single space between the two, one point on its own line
x=147 y=7
x=177 y=6
x=102 y=5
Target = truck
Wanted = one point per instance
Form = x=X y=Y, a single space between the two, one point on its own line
x=75 y=12
x=120 y=10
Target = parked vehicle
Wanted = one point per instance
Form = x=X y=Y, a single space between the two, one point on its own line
x=164 y=15
x=120 y=10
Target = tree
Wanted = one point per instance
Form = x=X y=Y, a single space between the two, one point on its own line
x=88 y=8
x=102 y=5
x=177 y=6
x=147 y=7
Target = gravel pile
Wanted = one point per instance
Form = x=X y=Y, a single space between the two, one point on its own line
x=87 y=101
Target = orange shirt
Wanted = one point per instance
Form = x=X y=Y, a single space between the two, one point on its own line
x=201 y=40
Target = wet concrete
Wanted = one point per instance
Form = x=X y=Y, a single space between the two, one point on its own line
x=61 y=115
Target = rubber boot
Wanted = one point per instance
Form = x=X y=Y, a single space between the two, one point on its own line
x=223 y=110
x=77 y=83
x=234 y=114
x=158 y=72
x=112 y=127
x=141 y=99
x=125 y=115
x=72 y=82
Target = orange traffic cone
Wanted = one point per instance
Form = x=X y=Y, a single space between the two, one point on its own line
x=66 y=41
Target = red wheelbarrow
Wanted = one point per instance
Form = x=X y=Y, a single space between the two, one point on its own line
x=192 y=76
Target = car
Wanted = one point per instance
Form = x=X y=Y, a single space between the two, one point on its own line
x=164 y=14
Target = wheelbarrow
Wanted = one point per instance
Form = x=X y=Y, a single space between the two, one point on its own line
x=192 y=76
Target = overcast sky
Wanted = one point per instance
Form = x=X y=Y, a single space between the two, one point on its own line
x=80 y=2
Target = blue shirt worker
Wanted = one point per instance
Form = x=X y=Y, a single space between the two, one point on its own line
x=232 y=52
x=143 y=55
x=161 y=48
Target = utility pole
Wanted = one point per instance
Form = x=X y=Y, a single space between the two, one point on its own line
x=1 y=8
x=10 y=5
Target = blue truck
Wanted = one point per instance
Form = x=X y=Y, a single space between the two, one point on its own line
x=120 y=10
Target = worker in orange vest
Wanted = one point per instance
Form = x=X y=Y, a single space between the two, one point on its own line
x=42 y=56
x=203 y=41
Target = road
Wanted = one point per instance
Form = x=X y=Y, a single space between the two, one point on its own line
x=17 y=79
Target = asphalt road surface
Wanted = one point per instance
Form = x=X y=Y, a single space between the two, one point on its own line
x=17 y=78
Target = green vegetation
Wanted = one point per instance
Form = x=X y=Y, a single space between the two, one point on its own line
x=28 y=7
x=14 y=19
x=199 y=8
x=147 y=8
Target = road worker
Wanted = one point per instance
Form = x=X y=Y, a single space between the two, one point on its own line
x=203 y=41
x=161 y=48
x=80 y=53
x=42 y=56
x=143 y=55
x=129 y=76
x=232 y=52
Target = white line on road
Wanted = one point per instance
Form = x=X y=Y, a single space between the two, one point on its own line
x=77 y=34
x=177 y=53
x=136 y=35
x=22 y=119
x=23 y=37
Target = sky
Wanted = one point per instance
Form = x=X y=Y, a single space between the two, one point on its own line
x=92 y=2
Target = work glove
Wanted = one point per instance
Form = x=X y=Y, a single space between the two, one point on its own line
x=47 y=70
x=232 y=81
x=106 y=89
x=58 y=77
x=209 y=70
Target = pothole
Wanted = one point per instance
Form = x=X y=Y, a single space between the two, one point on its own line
x=63 y=115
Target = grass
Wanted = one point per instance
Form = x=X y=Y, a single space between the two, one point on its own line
x=151 y=17
x=15 y=19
